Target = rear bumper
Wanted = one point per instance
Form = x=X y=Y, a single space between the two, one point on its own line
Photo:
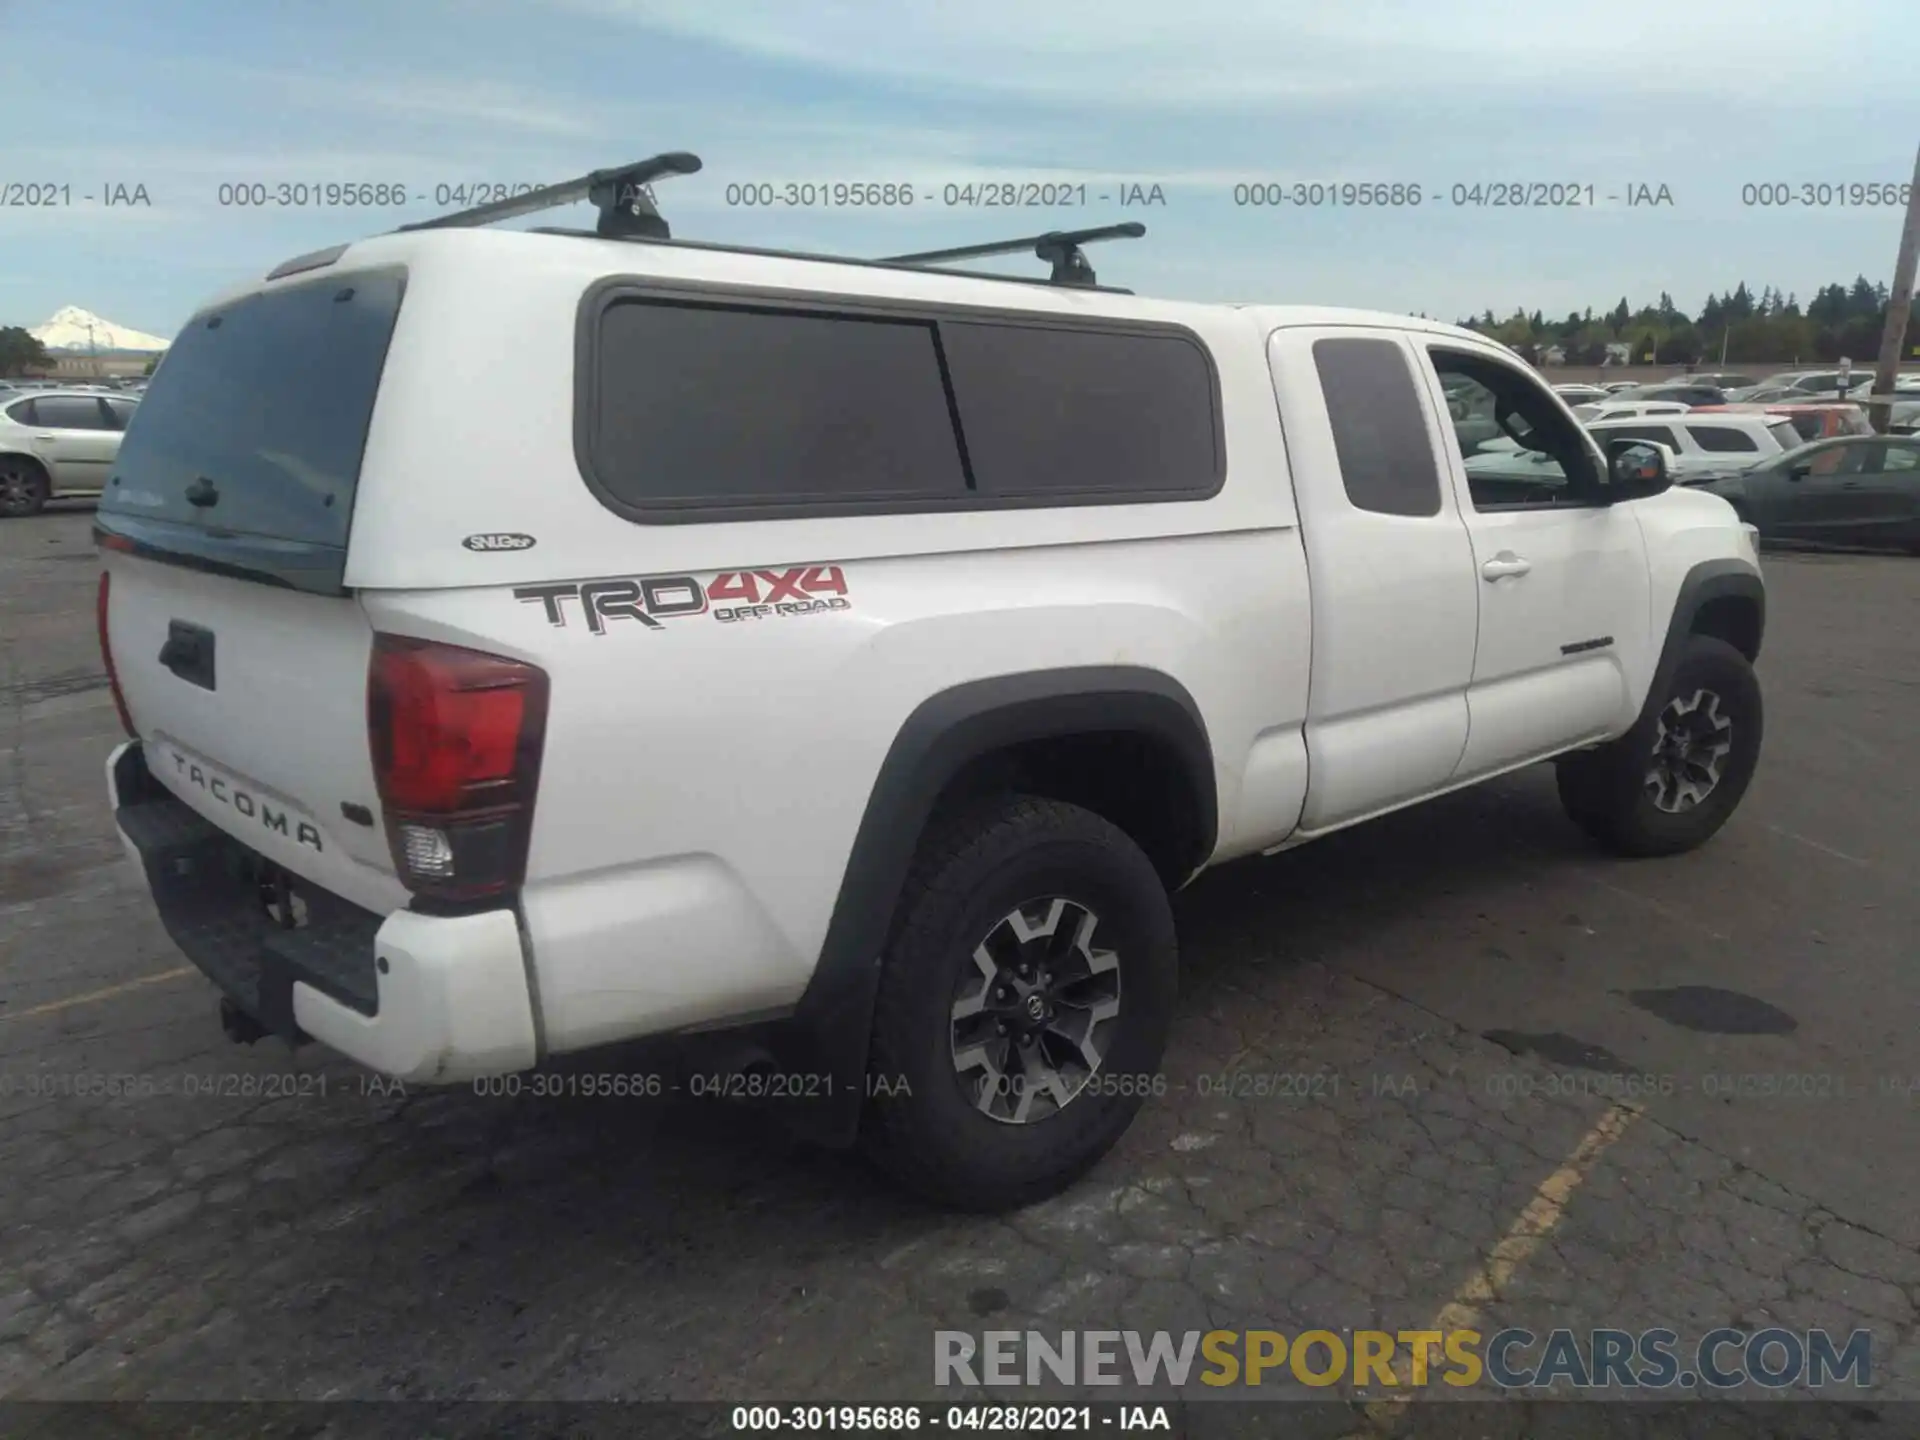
x=431 y=999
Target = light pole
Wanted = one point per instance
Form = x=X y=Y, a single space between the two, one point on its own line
x=1899 y=305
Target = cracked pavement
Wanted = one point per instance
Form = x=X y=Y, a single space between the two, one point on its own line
x=446 y=1246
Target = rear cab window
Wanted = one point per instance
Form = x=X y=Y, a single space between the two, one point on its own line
x=261 y=414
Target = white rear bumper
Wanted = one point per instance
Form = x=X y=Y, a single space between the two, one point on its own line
x=453 y=1002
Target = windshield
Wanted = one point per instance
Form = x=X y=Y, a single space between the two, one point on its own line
x=1784 y=432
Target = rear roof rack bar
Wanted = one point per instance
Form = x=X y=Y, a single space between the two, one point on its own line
x=623 y=194
x=1059 y=248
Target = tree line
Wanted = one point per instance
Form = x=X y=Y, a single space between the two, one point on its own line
x=20 y=353
x=1839 y=322
x=1770 y=327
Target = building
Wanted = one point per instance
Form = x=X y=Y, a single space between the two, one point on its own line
x=109 y=363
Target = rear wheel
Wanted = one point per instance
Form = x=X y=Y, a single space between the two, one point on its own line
x=23 y=486
x=1025 y=1000
x=1672 y=781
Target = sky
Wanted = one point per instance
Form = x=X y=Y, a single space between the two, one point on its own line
x=1709 y=99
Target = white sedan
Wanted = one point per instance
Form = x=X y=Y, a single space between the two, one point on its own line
x=57 y=443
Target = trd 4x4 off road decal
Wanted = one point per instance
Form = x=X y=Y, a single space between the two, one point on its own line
x=729 y=597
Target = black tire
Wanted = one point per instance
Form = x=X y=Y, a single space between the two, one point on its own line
x=922 y=1127
x=24 y=487
x=1606 y=791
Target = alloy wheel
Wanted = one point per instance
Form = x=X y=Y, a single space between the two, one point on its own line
x=1033 y=1015
x=1691 y=743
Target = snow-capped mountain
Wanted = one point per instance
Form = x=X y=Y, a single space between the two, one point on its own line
x=72 y=328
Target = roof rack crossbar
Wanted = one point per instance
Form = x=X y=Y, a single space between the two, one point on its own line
x=623 y=194
x=1059 y=248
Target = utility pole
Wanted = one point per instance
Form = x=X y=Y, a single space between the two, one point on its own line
x=1899 y=306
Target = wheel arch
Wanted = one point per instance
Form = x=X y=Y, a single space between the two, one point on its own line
x=28 y=456
x=1724 y=598
x=979 y=736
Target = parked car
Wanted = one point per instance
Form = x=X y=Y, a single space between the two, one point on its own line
x=1824 y=421
x=1614 y=387
x=1810 y=383
x=1707 y=441
x=1511 y=470
x=1473 y=424
x=1686 y=393
x=1696 y=449
x=1614 y=409
x=1763 y=395
x=1721 y=380
x=1833 y=382
x=1580 y=394
x=1856 y=491
x=1813 y=420
x=56 y=444
x=1010 y=607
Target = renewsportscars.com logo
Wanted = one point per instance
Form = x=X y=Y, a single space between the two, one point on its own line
x=729 y=597
x=1513 y=1359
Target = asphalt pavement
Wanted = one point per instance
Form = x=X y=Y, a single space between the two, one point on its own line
x=1452 y=1066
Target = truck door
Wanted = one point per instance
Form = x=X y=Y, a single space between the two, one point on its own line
x=1390 y=564
x=1565 y=642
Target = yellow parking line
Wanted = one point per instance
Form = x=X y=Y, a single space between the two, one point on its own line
x=54 y=1006
x=1526 y=1235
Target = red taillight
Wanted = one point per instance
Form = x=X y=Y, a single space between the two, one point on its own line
x=456 y=737
x=106 y=654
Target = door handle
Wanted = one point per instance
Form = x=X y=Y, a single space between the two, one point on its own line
x=1504 y=564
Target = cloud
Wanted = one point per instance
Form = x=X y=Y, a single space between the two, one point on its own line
x=1210 y=54
x=484 y=102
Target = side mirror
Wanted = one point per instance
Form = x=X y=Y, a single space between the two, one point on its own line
x=1800 y=471
x=1635 y=470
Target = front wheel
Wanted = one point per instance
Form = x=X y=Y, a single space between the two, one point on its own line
x=1025 y=999
x=1673 y=780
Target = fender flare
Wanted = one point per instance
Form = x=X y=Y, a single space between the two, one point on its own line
x=1707 y=581
x=827 y=1036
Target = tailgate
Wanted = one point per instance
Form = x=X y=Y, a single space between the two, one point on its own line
x=225 y=528
x=251 y=701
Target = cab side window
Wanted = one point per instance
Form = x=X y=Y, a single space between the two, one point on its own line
x=1379 y=429
x=1540 y=456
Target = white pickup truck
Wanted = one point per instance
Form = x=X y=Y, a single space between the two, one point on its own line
x=531 y=641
